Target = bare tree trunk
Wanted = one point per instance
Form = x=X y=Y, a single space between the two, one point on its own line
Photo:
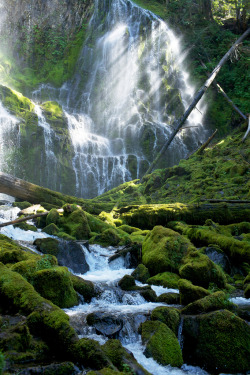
x=202 y=148
x=197 y=98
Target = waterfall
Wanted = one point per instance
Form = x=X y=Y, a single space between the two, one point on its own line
x=129 y=87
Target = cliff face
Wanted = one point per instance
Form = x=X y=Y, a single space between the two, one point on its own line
x=41 y=34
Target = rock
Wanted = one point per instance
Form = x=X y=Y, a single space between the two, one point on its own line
x=168 y=315
x=55 y=284
x=84 y=287
x=246 y=286
x=51 y=229
x=127 y=283
x=190 y=293
x=89 y=352
x=166 y=279
x=105 y=324
x=68 y=253
x=169 y=298
x=215 y=301
x=161 y=343
x=199 y=269
x=75 y=222
x=218 y=257
x=218 y=341
x=163 y=250
x=141 y=273
x=64 y=368
x=149 y=295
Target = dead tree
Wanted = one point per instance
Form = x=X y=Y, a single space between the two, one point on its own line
x=197 y=98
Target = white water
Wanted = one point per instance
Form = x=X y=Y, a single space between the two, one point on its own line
x=130 y=307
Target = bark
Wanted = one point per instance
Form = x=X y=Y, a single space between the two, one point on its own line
x=248 y=129
x=17 y=221
x=197 y=98
x=202 y=148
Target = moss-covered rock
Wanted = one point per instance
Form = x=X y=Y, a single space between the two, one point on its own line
x=127 y=283
x=190 y=293
x=128 y=229
x=55 y=284
x=53 y=217
x=163 y=250
x=161 y=343
x=215 y=301
x=84 y=287
x=246 y=286
x=168 y=315
x=166 y=279
x=76 y=224
x=218 y=341
x=108 y=237
x=51 y=229
x=199 y=269
x=141 y=273
x=11 y=252
x=89 y=352
x=169 y=298
x=47 y=245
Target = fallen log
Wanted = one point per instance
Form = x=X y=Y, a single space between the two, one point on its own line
x=17 y=221
x=147 y=216
x=197 y=98
x=32 y=193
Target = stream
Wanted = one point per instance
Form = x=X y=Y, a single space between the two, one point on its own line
x=120 y=312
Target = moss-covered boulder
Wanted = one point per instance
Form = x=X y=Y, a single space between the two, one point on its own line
x=199 y=269
x=53 y=217
x=127 y=283
x=163 y=250
x=84 y=287
x=89 y=352
x=246 y=286
x=11 y=252
x=169 y=298
x=122 y=359
x=218 y=341
x=166 y=279
x=109 y=237
x=190 y=293
x=161 y=343
x=168 y=315
x=215 y=301
x=141 y=273
x=148 y=294
x=75 y=223
x=47 y=245
x=54 y=114
x=55 y=284
x=51 y=229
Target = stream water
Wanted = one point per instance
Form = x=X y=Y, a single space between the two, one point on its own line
x=121 y=311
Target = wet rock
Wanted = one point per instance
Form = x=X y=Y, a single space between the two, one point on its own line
x=246 y=286
x=218 y=257
x=141 y=273
x=127 y=283
x=105 y=324
x=148 y=294
x=168 y=315
x=190 y=293
x=169 y=298
x=68 y=253
x=65 y=368
x=217 y=341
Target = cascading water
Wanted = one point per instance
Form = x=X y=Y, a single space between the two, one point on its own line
x=120 y=313
x=129 y=87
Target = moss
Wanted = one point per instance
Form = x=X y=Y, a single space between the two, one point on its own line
x=168 y=315
x=108 y=237
x=11 y=252
x=246 y=286
x=127 y=283
x=25 y=226
x=51 y=229
x=128 y=229
x=83 y=287
x=54 y=114
x=166 y=279
x=190 y=293
x=76 y=224
x=169 y=298
x=223 y=342
x=53 y=217
x=16 y=102
x=163 y=250
x=89 y=353
x=161 y=343
x=55 y=284
x=21 y=205
x=47 y=245
x=215 y=301
x=141 y=273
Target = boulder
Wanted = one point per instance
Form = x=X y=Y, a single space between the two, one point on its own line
x=105 y=324
x=168 y=315
x=216 y=255
x=218 y=341
x=246 y=286
x=199 y=269
x=161 y=343
x=166 y=279
x=169 y=298
x=141 y=273
x=190 y=293
x=163 y=250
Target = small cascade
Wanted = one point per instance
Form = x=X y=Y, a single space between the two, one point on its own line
x=116 y=313
x=9 y=139
x=50 y=164
x=180 y=336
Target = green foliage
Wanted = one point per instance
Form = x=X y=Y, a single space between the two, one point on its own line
x=2 y=363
